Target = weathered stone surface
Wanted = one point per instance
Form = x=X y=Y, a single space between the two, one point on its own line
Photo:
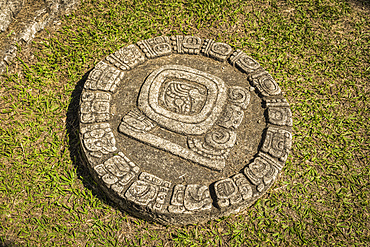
x=8 y=11
x=104 y=77
x=245 y=63
x=98 y=139
x=279 y=112
x=94 y=106
x=126 y=58
x=186 y=44
x=20 y=20
x=176 y=134
x=217 y=50
x=265 y=84
x=156 y=47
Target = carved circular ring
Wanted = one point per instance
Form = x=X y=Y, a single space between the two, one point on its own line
x=181 y=130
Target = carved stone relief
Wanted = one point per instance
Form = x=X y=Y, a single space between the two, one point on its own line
x=104 y=77
x=126 y=58
x=231 y=117
x=117 y=172
x=98 y=139
x=167 y=123
x=186 y=44
x=188 y=102
x=177 y=199
x=262 y=171
x=94 y=106
x=244 y=187
x=279 y=112
x=234 y=190
x=136 y=121
x=149 y=190
x=156 y=47
x=203 y=94
x=265 y=84
x=197 y=197
x=277 y=143
x=190 y=198
x=226 y=191
x=216 y=50
x=239 y=96
x=245 y=63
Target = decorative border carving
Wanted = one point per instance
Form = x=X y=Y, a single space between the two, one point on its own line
x=245 y=63
x=265 y=84
x=117 y=172
x=186 y=44
x=104 y=77
x=217 y=50
x=149 y=192
x=278 y=112
x=94 y=106
x=98 y=139
x=156 y=47
x=126 y=58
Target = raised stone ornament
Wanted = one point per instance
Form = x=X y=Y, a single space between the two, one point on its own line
x=197 y=197
x=239 y=96
x=279 y=112
x=149 y=190
x=98 y=139
x=94 y=107
x=262 y=171
x=117 y=172
x=216 y=50
x=265 y=84
x=186 y=44
x=104 y=77
x=156 y=47
x=226 y=191
x=126 y=58
x=245 y=63
x=277 y=143
x=177 y=201
x=182 y=99
x=174 y=132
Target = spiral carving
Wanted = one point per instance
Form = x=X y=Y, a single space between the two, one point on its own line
x=239 y=96
x=221 y=138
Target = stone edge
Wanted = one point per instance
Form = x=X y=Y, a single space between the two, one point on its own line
x=268 y=90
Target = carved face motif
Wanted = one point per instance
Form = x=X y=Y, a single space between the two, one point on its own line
x=189 y=102
x=182 y=99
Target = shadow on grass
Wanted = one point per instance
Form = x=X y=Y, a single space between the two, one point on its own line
x=362 y=4
x=77 y=156
x=79 y=162
x=7 y=243
x=72 y=126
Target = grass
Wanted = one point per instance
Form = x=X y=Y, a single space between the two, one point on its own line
x=317 y=50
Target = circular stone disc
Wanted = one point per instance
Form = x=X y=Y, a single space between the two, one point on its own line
x=181 y=130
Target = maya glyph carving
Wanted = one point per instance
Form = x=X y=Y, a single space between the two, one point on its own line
x=192 y=103
x=183 y=129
